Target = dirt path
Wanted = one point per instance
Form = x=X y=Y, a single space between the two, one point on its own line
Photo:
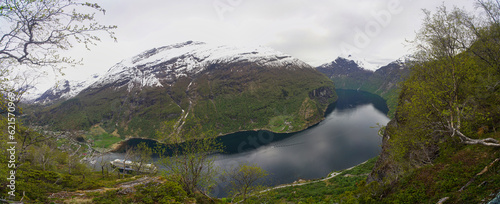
x=299 y=183
x=125 y=188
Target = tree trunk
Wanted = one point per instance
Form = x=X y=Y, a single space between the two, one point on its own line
x=486 y=142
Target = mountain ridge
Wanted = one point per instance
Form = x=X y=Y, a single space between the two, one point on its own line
x=347 y=74
x=195 y=90
x=193 y=58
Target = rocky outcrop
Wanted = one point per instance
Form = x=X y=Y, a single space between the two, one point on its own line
x=322 y=94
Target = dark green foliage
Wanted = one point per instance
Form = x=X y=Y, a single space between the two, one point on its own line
x=443 y=179
x=153 y=192
x=111 y=197
x=321 y=191
x=191 y=164
x=448 y=102
x=36 y=184
x=166 y=192
x=136 y=113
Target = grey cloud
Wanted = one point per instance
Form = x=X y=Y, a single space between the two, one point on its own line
x=312 y=31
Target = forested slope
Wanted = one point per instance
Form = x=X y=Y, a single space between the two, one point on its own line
x=443 y=142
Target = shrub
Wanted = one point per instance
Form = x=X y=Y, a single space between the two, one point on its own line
x=167 y=192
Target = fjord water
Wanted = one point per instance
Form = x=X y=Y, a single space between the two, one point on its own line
x=346 y=137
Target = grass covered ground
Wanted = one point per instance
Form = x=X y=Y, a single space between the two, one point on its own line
x=321 y=190
x=104 y=140
x=461 y=174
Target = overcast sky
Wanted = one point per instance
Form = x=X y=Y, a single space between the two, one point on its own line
x=316 y=31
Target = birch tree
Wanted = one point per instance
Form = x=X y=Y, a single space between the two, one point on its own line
x=448 y=79
x=245 y=179
x=143 y=156
x=191 y=164
x=33 y=32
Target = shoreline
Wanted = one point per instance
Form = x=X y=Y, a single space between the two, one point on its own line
x=118 y=145
x=330 y=176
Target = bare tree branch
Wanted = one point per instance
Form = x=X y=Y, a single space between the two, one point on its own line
x=39 y=27
x=487 y=142
x=486 y=168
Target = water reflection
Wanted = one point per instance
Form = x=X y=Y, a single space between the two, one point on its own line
x=345 y=138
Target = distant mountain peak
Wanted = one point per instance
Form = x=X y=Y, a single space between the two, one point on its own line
x=353 y=62
x=343 y=67
x=362 y=62
x=64 y=89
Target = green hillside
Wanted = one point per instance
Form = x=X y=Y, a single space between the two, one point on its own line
x=226 y=99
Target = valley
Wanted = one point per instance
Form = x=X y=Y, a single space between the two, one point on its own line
x=345 y=138
x=261 y=119
x=211 y=90
x=228 y=120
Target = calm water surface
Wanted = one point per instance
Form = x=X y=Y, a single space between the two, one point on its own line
x=347 y=137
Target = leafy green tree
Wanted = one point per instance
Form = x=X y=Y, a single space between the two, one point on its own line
x=192 y=164
x=127 y=156
x=143 y=156
x=44 y=156
x=443 y=83
x=452 y=91
x=73 y=161
x=245 y=180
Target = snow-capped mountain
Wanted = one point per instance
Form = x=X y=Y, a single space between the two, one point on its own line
x=194 y=88
x=348 y=74
x=63 y=90
x=163 y=65
x=189 y=58
x=362 y=62
x=342 y=67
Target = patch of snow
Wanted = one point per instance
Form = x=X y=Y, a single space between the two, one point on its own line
x=65 y=89
x=151 y=67
x=188 y=58
x=78 y=86
x=363 y=63
x=32 y=94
